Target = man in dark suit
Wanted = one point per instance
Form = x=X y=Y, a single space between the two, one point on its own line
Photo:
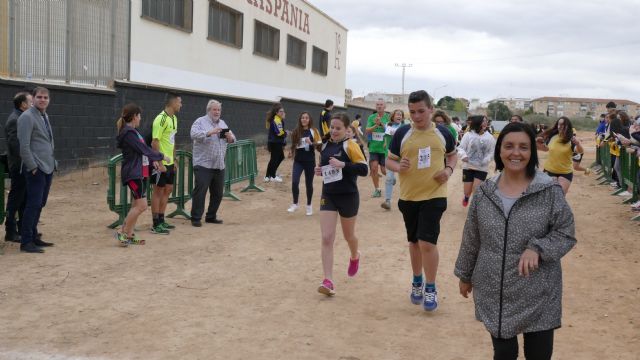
x=36 y=150
x=15 y=201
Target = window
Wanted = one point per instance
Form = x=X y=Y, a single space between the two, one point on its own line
x=296 y=52
x=175 y=13
x=266 y=41
x=225 y=24
x=320 y=60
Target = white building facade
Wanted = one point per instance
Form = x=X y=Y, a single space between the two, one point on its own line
x=255 y=49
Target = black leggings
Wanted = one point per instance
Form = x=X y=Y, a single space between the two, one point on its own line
x=537 y=346
x=277 y=155
x=298 y=168
x=614 y=174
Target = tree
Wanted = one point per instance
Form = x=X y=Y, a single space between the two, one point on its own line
x=459 y=106
x=446 y=103
x=499 y=111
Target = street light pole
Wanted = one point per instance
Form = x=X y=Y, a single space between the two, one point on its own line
x=439 y=87
x=403 y=66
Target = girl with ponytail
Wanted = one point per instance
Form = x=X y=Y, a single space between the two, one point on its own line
x=135 y=169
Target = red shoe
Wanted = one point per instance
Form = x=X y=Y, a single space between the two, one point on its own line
x=465 y=202
x=326 y=288
x=353 y=266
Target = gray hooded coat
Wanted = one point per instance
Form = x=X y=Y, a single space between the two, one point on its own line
x=507 y=303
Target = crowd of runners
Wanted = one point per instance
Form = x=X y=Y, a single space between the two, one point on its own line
x=510 y=263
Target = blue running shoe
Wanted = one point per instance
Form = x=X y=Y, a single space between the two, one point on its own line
x=416 y=293
x=430 y=299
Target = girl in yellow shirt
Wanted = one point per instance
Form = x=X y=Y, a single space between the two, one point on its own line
x=561 y=143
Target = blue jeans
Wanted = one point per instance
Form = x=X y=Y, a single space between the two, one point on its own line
x=388 y=184
x=15 y=202
x=38 y=186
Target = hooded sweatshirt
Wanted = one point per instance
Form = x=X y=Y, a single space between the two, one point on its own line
x=492 y=243
x=478 y=149
x=133 y=149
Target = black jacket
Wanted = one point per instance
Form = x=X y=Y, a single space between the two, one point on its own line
x=133 y=147
x=13 y=146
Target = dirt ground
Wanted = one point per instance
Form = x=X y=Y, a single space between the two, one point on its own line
x=247 y=289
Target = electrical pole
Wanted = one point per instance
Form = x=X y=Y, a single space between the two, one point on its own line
x=403 y=66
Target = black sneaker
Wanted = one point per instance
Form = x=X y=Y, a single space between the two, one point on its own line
x=196 y=223
x=12 y=237
x=31 y=248
x=213 y=221
x=40 y=243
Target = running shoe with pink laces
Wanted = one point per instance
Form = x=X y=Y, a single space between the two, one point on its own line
x=326 y=288
x=354 y=264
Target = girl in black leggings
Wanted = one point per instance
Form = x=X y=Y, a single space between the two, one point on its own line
x=276 y=141
x=304 y=141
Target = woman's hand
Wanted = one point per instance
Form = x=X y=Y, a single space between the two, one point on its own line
x=465 y=288
x=167 y=159
x=336 y=163
x=318 y=171
x=528 y=262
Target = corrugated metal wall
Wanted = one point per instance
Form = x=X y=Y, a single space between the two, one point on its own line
x=71 y=41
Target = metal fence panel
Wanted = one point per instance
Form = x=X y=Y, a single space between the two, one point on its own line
x=71 y=41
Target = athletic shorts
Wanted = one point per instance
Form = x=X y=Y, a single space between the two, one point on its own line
x=165 y=178
x=469 y=175
x=380 y=158
x=345 y=204
x=138 y=188
x=577 y=157
x=422 y=218
x=568 y=176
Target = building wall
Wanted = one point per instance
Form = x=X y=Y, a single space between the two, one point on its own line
x=83 y=120
x=579 y=109
x=193 y=62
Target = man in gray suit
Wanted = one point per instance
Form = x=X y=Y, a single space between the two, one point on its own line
x=15 y=201
x=38 y=163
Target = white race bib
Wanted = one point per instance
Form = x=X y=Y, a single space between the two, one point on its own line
x=390 y=130
x=145 y=161
x=172 y=138
x=424 y=158
x=303 y=143
x=377 y=136
x=331 y=174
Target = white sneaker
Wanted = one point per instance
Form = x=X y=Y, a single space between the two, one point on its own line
x=624 y=193
x=267 y=179
x=636 y=204
x=309 y=210
x=277 y=179
x=293 y=208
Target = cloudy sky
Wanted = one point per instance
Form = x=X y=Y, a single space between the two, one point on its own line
x=493 y=48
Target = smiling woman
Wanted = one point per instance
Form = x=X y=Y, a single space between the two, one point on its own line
x=511 y=263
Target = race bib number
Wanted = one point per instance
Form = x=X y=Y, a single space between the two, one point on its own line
x=172 y=138
x=303 y=143
x=331 y=174
x=145 y=161
x=377 y=136
x=424 y=158
x=390 y=130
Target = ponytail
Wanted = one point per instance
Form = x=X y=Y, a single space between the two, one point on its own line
x=120 y=124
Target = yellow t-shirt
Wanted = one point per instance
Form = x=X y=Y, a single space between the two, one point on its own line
x=426 y=151
x=164 y=129
x=560 y=157
x=614 y=149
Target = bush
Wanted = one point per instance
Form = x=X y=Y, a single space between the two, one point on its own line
x=580 y=123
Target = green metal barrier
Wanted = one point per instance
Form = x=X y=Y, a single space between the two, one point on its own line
x=2 y=202
x=629 y=176
x=241 y=163
x=118 y=195
x=607 y=166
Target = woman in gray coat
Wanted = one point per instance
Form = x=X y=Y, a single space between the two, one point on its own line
x=518 y=228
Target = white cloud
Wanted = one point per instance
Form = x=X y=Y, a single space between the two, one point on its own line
x=493 y=48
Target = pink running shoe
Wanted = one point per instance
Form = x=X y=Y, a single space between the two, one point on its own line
x=326 y=288
x=353 y=266
x=465 y=202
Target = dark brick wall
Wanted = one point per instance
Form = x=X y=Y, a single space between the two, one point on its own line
x=83 y=120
